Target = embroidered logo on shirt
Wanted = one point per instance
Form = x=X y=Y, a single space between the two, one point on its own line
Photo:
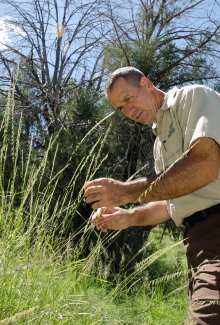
x=171 y=130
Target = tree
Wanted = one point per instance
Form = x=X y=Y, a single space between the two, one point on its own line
x=164 y=39
x=57 y=47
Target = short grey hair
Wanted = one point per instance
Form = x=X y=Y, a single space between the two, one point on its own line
x=131 y=74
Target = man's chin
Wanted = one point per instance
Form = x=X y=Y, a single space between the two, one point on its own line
x=144 y=122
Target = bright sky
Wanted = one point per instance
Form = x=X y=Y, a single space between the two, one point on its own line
x=207 y=7
x=3 y=33
x=5 y=29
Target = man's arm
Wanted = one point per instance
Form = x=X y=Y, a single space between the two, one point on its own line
x=199 y=168
x=108 y=192
x=117 y=218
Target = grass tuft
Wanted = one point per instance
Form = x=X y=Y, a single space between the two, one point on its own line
x=43 y=277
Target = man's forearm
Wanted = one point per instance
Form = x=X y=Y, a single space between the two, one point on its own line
x=118 y=218
x=152 y=213
x=187 y=175
x=134 y=189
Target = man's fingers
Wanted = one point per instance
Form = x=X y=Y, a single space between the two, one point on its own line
x=102 y=215
x=102 y=227
x=96 y=217
x=93 y=190
x=94 y=194
x=95 y=182
x=108 y=219
x=88 y=184
x=98 y=221
x=92 y=198
x=111 y=219
x=100 y=204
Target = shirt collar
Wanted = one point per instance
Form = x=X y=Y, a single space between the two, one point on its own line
x=169 y=99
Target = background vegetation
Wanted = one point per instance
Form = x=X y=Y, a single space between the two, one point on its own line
x=57 y=131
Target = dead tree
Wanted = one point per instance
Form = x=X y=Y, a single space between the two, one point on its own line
x=57 y=48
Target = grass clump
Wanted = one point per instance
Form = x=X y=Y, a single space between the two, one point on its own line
x=45 y=276
x=38 y=288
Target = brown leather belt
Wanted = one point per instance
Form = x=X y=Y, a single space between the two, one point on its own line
x=200 y=215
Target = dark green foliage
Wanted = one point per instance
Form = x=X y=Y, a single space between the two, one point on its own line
x=130 y=146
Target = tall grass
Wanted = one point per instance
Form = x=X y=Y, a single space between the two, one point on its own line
x=44 y=279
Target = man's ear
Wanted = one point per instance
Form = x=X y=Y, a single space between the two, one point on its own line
x=145 y=82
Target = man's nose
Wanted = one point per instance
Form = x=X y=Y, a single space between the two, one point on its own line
x=130 y=111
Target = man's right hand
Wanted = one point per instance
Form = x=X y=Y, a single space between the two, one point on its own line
x=112 y=219
x=118 y=219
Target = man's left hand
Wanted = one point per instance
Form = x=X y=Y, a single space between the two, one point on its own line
x=106 y=192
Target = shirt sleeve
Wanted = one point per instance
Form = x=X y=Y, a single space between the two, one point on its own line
x=186 y=205
x=199 y=114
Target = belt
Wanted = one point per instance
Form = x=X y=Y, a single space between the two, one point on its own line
x=200 y=215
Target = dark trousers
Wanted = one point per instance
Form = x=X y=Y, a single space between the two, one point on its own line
x=202 y=246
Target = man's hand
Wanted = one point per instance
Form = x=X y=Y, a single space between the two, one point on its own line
x=105 y=192
x=108 y=192
x=112 y=219
x=117 y=218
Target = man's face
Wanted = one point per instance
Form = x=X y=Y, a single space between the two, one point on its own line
x=137 y=103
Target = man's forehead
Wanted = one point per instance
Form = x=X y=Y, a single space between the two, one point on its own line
x=121 y=90
x=118 y=92
x=119 y=82
x=122 y=86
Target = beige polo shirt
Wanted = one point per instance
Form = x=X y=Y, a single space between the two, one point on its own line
x=187 y=114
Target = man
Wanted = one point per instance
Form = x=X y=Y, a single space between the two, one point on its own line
x=187 y=186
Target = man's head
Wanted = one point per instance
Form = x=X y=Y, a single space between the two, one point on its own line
x=130 y=74
x=134 y=95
